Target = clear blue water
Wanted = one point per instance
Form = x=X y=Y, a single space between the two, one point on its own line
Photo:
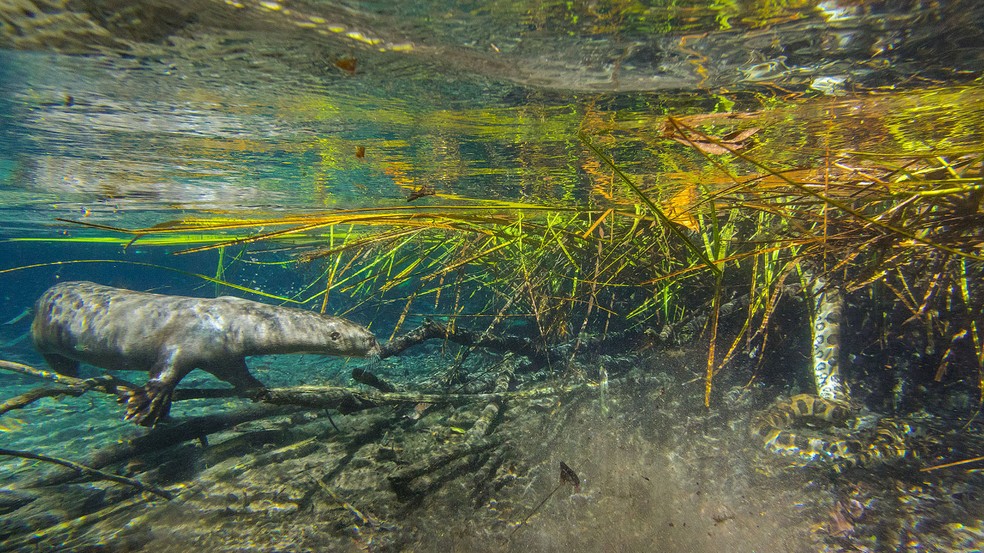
x=180 y=117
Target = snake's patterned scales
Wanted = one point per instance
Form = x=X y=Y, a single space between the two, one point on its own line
x=777 y=429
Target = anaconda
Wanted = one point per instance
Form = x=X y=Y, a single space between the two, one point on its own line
x=828 y=307
x=784 y=429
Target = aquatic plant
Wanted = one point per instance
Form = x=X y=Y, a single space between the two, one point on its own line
x=689 y=218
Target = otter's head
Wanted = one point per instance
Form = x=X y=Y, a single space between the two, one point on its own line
x=353 y=339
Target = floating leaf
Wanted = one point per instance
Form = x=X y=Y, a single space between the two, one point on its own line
x=734 y=141
x=680 y=207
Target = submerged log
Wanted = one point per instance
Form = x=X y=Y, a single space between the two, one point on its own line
x=469 y=456
x=402 y=481
x=348 y=400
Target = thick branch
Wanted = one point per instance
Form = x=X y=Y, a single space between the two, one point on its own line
x=401 y=479
x=483 y=425
x=183 y=394
x=163 y=437
x=88 y=471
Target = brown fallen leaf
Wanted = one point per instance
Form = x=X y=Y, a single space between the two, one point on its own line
x=347 y=64
x=733 y=141
x=424 y=190
x=567 y=475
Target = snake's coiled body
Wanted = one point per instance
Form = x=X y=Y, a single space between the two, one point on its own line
x=802 y=427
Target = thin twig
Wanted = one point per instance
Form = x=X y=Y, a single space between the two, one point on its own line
x=27 y=398
x=953 y=464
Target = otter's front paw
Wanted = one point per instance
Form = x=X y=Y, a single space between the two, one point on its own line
x=151 y=404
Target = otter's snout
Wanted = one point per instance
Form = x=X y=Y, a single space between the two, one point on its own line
x=374 y=348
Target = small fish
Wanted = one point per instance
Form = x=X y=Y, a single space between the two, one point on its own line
x=418 y=411
x=347 y=64
x=26 y=312
x=360 y=152
x=17 y=340
x=11 y=424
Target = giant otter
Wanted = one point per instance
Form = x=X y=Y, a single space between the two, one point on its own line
x=170 y=336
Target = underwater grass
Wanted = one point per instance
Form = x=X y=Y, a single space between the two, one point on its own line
x=733 y=217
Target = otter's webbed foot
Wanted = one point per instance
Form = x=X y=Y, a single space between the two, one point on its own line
x=148 y=406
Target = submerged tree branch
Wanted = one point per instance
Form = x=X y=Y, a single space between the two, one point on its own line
x=88 y=471
x=348 y=400
x=103 y=383
x=164 y=436
x=27 y=398
x=432 y=329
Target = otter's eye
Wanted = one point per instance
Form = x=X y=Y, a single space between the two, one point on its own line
x=335 y=335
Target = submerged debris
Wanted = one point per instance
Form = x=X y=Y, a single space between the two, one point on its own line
x=567 y=476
